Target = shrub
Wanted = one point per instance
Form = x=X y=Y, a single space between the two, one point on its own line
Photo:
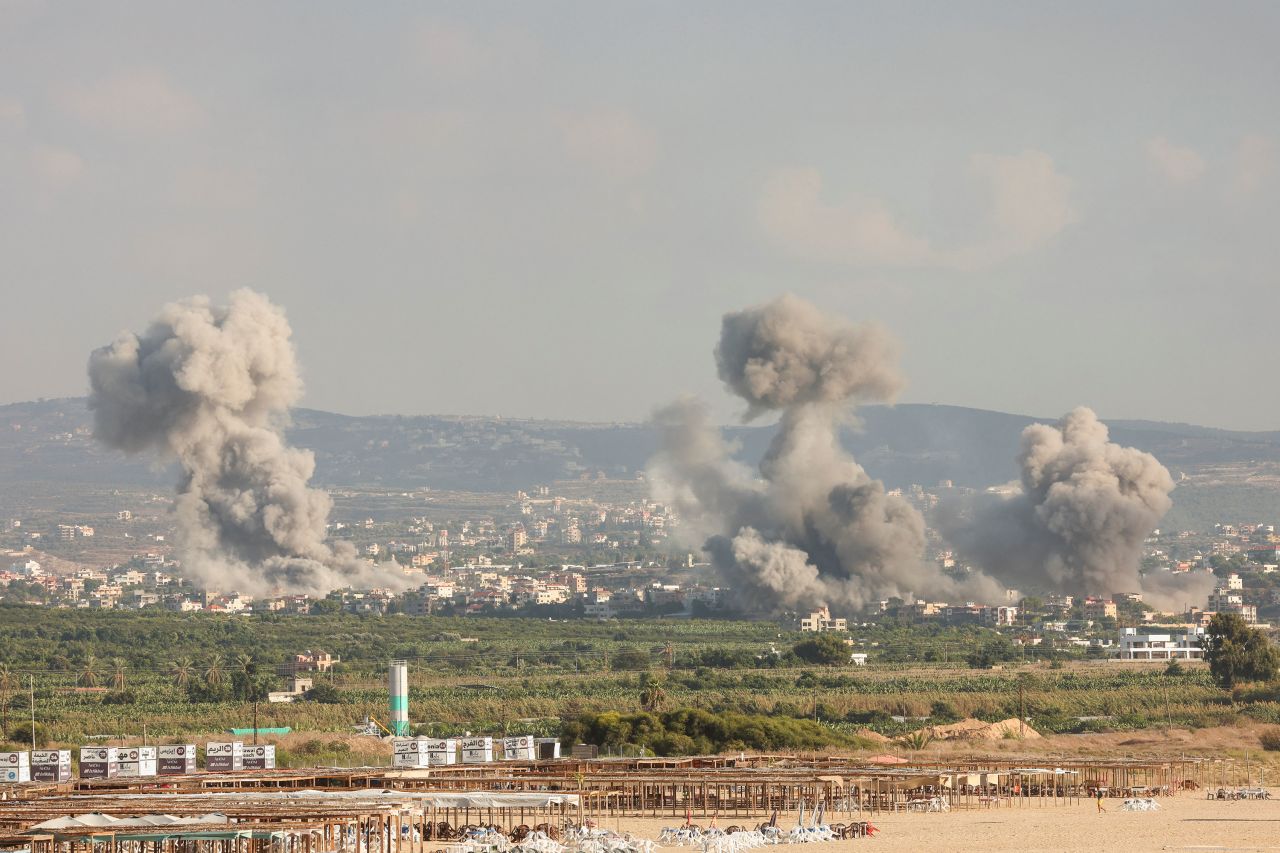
x=944 y=711
x=325 y=694
x=120 y=697
x=22 y=733
x=630 y=660
x=824 y=650
x=694 y=731
x=917 y=740
x=1270 y=740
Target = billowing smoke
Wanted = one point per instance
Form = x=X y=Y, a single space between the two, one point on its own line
x=1078 y=523
x=810 y=527
x=210 y=387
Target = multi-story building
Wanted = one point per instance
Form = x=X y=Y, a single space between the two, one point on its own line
x=307 y=661
x=820 y=621
x=1099 y=608
x=1184 y=646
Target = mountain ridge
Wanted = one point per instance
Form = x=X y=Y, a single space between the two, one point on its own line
x=903 y=444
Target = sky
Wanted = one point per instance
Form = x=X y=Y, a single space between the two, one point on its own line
x=543 y=209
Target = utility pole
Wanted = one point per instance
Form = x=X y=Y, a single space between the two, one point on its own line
x=1022 y=709
x=32 y=684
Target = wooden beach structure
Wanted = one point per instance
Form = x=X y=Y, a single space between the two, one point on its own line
x=386 y=810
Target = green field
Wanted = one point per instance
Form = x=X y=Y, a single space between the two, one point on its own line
x=536 y=676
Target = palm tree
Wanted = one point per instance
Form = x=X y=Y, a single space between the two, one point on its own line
x=246 y=670
x=89 y=671
x=215 y=671
x=917 y=740
x=181 y=671
x=652 y=696
x=118 y=668
x=8 y=680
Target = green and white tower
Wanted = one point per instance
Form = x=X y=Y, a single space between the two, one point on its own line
x=398 y=686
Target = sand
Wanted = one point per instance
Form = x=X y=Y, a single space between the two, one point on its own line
x=1185 y=822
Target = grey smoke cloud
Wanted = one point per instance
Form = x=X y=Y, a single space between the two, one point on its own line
x=788 y=353
x=1077 y=525
x=211 y=386
x=809 y=527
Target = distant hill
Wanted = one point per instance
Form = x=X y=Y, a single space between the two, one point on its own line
x=50 y=441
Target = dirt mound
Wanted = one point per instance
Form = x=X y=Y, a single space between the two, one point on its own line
x=1009 y=728
x=963 y=729
x=972 y=729
x=867 y=734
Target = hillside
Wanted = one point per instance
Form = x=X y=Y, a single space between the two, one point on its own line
x=49 y=442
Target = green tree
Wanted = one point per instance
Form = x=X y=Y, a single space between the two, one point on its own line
x=89 y=672
x=652 y=694
x=119 y=667
x=248 y=682
x=181 y=671
x=215 y=671
x=8 y=681
x=1235 y=652
x=824 y=649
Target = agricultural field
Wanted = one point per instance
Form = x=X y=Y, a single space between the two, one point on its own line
x=115 y=675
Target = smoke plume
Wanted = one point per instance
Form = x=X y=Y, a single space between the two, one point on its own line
x=1078 y=523
x=210 y=387
x=810 y=527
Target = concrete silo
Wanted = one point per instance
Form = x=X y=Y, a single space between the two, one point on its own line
x=398 y=687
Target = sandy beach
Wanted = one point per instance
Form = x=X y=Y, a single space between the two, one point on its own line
x=1186 y=822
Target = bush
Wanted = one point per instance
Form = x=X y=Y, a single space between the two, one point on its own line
x=630 y=660
x=22 y=733
x=120 y=697
x=1270 y=740
x=824 y=650
x=694 y=731
x=324 y=694
x=944 y=711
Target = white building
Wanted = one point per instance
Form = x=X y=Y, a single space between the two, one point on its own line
x=1185 y=646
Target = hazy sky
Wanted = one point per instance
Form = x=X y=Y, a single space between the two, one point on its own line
x=542 y=209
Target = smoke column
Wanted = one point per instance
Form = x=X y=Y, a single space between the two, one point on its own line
x=211 y=387
x=810 y=527
x=1085 y=507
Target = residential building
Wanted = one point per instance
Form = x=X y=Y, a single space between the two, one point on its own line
x=820 y=621
x=1183 y=646
x=1099 y=608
